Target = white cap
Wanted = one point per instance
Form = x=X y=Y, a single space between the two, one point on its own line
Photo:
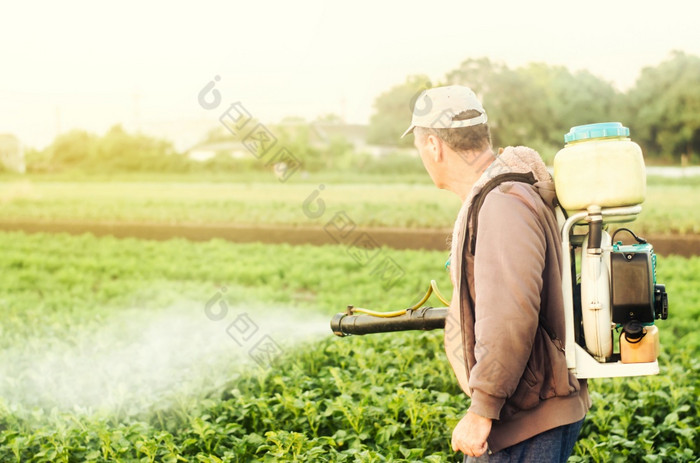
x=436 y=107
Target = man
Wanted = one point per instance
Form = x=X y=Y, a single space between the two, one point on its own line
x=504 y=335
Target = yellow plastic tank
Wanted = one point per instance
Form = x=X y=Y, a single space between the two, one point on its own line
x=599 y=165
x=640 y=347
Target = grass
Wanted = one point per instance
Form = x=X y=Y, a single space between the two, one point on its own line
x=375 y=398
x=670 y=208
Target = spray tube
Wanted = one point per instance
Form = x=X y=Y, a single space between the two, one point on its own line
x=424 y=318
x=595 y=289
x=356 y=320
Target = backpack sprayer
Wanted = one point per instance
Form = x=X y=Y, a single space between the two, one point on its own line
x=600 y=179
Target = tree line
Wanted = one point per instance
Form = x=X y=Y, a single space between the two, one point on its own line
x=536 y=104
x=533 y=105
x=82 y=152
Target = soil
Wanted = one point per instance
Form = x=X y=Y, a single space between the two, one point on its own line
x=429 y=239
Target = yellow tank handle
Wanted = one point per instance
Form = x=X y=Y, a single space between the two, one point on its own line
x=431 y=289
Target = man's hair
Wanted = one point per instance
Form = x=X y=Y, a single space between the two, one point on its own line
x=476 y=137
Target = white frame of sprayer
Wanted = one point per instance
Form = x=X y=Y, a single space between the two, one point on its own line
x=578 y=360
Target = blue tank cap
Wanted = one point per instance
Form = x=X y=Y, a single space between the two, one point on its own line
x=600 y=130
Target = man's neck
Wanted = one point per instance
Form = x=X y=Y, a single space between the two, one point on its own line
x=466 y=170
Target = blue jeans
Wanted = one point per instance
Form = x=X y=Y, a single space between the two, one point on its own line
x=550 y=446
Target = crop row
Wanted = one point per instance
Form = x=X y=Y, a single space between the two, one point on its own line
x=669 y=208
x=374 y=398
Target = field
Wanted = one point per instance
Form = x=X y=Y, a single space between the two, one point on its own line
x=380 y=201
x=134 y=350
x=128 y=350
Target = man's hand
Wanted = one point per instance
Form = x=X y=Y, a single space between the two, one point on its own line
x=470 y=435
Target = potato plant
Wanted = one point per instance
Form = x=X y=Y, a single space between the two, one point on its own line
x=389 y=397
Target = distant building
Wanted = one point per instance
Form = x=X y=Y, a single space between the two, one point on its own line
x=11 y=153
x=207 y=150
x=355 y=134
x=319 y=134
x=182 y=132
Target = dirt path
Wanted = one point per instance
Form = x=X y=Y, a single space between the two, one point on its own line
x=684 y=245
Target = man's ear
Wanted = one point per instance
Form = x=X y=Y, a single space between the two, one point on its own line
x=436 y=148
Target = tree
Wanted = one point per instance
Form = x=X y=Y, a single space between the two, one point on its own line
x=393 y=110
x=666 y=105
x=72 y=148
x=122 y=151
x=117 y=150
x=477 y=74
x=298 y=137
x=537 y=104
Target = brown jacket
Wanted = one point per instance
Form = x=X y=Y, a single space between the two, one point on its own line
x=516 y=372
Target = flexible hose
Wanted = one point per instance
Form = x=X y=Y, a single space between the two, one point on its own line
x=431 y=289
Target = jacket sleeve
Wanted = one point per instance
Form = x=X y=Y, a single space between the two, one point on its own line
x=508 y=268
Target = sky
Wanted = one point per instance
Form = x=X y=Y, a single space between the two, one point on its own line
x=92 y=64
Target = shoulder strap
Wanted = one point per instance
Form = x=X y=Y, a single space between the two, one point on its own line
x=479 y=198
x=473 y=220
